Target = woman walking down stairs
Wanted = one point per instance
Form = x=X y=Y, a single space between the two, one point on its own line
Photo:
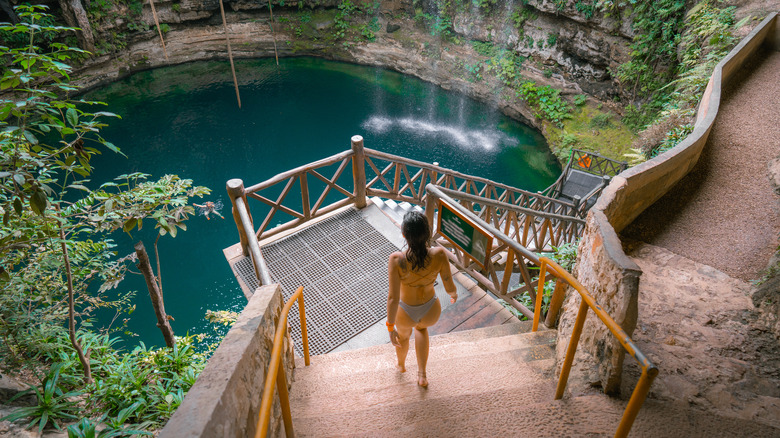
x=491 y=382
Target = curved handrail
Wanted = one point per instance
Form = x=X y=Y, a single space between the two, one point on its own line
x=649 y=371
x=276 y=376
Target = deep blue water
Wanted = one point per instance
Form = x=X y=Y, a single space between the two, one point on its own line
x=184 y=120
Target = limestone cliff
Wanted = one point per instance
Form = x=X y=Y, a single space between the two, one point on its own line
x=566 y=48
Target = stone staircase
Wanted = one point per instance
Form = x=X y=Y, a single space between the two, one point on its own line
x=490 y=382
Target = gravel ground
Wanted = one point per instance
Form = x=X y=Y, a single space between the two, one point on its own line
x=724 y=213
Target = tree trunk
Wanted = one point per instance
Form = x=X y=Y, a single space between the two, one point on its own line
x=5 y=5
x=75 y=16
x=71 y=313
x=154 y=294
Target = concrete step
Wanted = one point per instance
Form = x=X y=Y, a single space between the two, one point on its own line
x=437 y=340
x=376 y=378
x=508 y=413
x=514 y=360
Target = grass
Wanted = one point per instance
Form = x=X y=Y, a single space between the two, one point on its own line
x=612 y=139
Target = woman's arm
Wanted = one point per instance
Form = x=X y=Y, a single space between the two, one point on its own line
x=393 y=296
x=446 y=276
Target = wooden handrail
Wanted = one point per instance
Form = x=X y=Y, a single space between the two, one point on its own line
x=649 y=371
x=276 y=377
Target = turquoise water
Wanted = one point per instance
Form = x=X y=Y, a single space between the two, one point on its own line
x=184 y=120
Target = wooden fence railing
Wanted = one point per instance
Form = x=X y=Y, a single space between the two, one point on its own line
x=513 y=227
x=533 y=220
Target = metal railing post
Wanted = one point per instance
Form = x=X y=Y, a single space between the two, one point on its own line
x=235 y=189
x=572 y=349
x=359 y=171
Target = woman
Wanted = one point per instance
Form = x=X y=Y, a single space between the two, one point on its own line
x=412 y=274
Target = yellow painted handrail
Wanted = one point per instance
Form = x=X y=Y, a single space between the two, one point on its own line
x=276 y=376
x=649 y=371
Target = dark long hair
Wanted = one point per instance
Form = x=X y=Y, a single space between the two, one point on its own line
x=417 y=233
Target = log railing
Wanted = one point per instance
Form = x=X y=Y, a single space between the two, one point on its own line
x=508 y=253
x=534 y=219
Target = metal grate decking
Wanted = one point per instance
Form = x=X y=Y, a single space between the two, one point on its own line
x=342 y=264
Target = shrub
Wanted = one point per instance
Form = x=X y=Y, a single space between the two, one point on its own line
x=600 y=121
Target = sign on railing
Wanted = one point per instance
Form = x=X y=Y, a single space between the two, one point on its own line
x=464 y=233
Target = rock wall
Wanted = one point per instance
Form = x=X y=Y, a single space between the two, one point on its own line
x=613 y=281
x=569 y=51
x=225 y=400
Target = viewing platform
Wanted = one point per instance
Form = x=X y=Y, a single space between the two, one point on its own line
x=341 y=259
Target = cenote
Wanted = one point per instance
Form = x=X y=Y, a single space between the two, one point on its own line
x=184 y=120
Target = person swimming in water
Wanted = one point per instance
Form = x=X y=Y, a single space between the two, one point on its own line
x=412 y=274
x=208 y=208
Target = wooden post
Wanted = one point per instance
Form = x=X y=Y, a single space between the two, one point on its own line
x=154 y=294
x=430 y=207
x=235 y=189
x=576 y=201
x=359 y=171
x=556 y=301
x=305 y=196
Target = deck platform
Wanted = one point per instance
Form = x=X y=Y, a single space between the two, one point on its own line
x=341 y=260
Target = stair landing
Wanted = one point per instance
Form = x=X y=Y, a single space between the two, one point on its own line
x=345 y=281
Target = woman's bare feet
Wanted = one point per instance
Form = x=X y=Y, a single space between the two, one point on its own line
x=401 y=368
x=421 y=379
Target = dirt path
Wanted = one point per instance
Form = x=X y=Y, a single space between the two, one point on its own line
x=699 y=327
x=724 y=213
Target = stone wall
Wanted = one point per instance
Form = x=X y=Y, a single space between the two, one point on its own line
x=225 y=400
x=602 y=266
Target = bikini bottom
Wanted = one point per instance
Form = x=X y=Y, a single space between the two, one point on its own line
x=417 y=312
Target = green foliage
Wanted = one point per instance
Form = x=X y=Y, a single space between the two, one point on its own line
x=552 y=38
x=46 y=144
x=53 y=404
x=151 y=383
x=545 y=101
x=222 y=317
x=483 y=4
x=600 y=121
x=368 y=31
x=587 y=9
x=637 y=117
x=566 y=256
x=485 y=48
x=440 y=22
x=521 y=16
x=672 y=138
x=580 y=99
x=15 y=38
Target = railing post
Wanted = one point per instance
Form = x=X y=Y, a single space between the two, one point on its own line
x=359 y=171
x=556 y=301
x=576 y=209
x=235 y=189
x=571 y=350
x=430 y=206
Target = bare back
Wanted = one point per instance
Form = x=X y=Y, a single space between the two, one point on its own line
x=416 y=286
